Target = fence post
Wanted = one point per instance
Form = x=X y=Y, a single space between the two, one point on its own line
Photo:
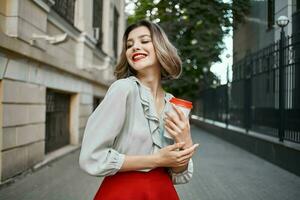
x=247 y=102
x=282 y=22
x=227 y=104
x=281 y=85
x=204 y=104
x=227 y=91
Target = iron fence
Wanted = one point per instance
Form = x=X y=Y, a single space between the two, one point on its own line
x=252 y=99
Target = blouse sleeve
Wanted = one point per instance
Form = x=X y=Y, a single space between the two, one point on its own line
x=183 y=177
x=98 y=156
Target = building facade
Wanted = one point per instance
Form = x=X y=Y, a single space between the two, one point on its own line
x=56 y=62
x=260 y=29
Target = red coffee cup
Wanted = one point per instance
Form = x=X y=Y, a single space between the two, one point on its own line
x=184 y=105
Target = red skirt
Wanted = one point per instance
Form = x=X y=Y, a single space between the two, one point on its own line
x=153 y=185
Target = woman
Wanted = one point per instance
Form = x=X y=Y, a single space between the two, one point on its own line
x=124 y=140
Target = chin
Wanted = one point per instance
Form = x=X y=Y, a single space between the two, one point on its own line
x=140 y=66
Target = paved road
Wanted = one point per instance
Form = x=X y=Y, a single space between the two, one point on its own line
x=222 y=172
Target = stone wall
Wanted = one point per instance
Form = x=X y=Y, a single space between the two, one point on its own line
x=76 y=67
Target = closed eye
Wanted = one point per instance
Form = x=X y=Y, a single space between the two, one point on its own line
x=128 y=46
x=145 y=41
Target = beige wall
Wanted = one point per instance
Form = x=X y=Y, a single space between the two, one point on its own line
x=84 y=16
x=28 y=69
x=23 y=126
x=23 y=107
x=22 y=18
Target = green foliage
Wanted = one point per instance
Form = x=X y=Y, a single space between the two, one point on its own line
x=196 y=28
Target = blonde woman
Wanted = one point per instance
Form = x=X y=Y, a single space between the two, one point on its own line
x=125 y=138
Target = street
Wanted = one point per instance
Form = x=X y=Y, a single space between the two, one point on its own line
x=222 y=171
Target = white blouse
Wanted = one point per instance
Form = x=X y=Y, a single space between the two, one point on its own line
x=125 y=123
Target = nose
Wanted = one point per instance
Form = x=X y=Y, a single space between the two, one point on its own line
x=136 y=46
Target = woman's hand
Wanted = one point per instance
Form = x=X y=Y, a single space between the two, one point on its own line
x=178 y=126
x=170 y=156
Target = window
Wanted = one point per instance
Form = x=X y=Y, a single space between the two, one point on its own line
x=65 y=8
x=57 y=120
x=271 y=13
x=97 y=21
x=116 y=30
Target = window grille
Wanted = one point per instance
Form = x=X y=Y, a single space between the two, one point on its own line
x=116 y=30
x=97 y=21
x=66 y=9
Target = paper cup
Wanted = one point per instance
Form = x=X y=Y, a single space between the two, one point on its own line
x=183 y=105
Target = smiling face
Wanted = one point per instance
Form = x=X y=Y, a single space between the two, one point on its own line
x=147 y=50
x=140 y=52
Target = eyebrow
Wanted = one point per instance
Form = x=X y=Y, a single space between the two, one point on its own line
x=141 y=36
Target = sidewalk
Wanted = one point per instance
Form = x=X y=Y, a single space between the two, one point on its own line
x=222 y=172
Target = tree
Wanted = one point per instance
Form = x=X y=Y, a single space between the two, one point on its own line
x=196 y=28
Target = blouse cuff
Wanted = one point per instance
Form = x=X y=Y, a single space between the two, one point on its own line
x=116 y=162
x=182 y=177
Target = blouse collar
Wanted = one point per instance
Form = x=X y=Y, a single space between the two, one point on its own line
x=167 y=96
x=147 y=102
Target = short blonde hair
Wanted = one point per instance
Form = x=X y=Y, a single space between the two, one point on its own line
x=166 y=53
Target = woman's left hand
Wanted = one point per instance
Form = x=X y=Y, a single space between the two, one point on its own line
x=178 y=126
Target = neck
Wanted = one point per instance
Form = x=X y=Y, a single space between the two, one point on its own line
x=153 y=82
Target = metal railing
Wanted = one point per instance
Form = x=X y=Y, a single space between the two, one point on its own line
x=252 y=99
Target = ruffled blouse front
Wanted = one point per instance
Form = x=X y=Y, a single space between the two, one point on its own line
x=125 y=123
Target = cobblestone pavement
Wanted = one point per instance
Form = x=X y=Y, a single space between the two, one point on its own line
x=222 y=172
